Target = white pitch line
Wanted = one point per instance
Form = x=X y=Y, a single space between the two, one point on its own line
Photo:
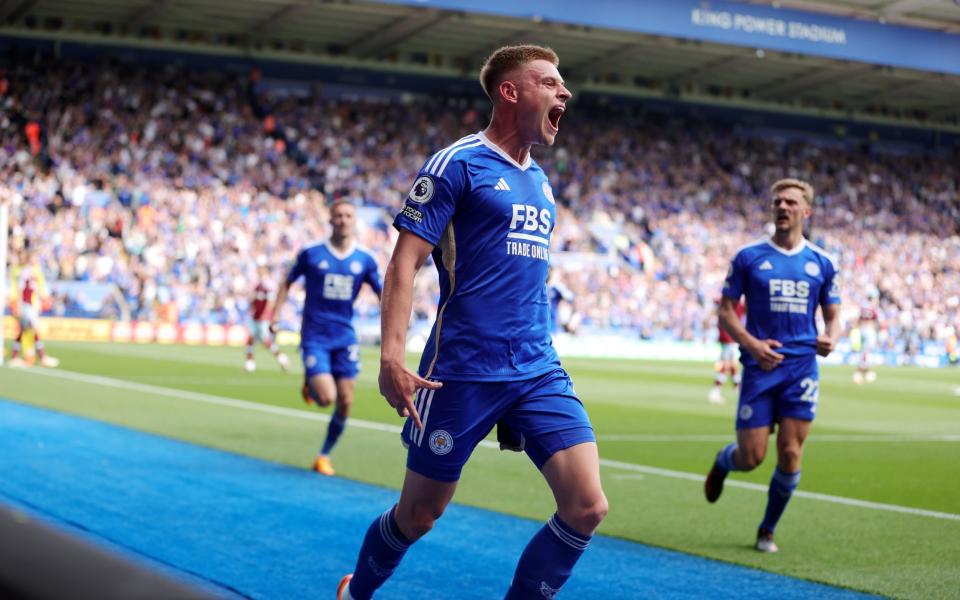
x=613 y=464
x=799 y=493
x=814 y=438
x=218 y=400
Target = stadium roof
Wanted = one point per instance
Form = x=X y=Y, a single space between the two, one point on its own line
x=941 y=15
x=454 y=41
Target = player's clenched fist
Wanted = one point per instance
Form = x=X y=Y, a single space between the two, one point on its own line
x=824 y=345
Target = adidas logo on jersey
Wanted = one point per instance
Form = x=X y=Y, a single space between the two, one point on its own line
x=766 y=266
x=502 y=186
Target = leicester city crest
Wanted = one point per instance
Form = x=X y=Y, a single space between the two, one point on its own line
x=422 y=190
x=356 y=267
x=548 y=192
x=812 y=269
x=441 y=442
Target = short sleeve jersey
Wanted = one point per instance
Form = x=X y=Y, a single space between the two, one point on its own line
x=783 y=290
x=490 y=220
x=332 y=281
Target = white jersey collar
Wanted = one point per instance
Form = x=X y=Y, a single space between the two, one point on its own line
x=797 y=250
x=486 y=142
x=341 y=255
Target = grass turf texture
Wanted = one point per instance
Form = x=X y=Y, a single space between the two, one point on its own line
x=894 y=554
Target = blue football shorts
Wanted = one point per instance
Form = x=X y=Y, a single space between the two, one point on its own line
x=790 y=390
x=342 y=363
x=544 y=410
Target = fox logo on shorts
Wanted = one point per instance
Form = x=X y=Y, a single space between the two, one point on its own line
x=441 y=442
x=548 y=592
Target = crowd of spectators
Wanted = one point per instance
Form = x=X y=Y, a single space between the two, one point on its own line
x=177 y=186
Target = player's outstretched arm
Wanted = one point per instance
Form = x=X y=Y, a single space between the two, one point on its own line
x=397 y=382
x=762 y=350
x=827 y=340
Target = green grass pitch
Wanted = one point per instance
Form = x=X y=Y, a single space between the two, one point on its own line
x=893 y=448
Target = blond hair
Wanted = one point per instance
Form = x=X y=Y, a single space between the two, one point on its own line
x=803 y=186
x=338 y=202
x=509 y=58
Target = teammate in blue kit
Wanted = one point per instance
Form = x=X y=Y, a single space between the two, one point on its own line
x=333 y=272
x=485 y=210
x=784 y=278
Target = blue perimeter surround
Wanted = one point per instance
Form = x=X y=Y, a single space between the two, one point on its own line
x=750 y=25
x=264 y=530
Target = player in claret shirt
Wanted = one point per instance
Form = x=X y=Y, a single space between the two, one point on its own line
x=727 y=365
x=785 y=280
x=333 y=272
x=31 y=285
x=260 y=325
x=485 y=210
x=866 y=341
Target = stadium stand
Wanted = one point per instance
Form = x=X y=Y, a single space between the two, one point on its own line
x=174 y=185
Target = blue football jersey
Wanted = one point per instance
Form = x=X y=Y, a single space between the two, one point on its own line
x=332 y=281
x=783 y=290
x=490 y=220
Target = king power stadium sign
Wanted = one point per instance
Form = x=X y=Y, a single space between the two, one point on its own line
x=740 y=24
x=747 y=23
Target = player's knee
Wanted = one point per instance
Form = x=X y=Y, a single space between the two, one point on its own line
x=324 y=397
x=789 y=457
x=751 y=458
x=587 y=517
x=419 y=520
x=596 y=513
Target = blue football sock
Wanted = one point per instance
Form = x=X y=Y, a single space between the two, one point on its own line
x=725 y=458
x=383 y=549
x=334 y=429
x=547 y=561
x=782 y=486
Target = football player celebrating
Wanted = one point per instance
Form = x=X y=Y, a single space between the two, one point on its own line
x=333 y=272
x=785 y=279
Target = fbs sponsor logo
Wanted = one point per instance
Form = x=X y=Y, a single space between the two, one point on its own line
x=528 y=218
x=788 y=288
x=412 y=214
